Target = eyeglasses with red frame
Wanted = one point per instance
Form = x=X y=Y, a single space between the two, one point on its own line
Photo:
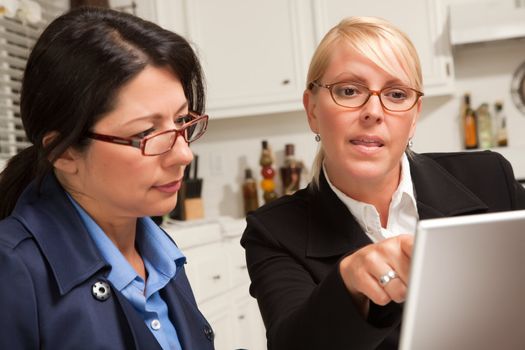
x=193 y=127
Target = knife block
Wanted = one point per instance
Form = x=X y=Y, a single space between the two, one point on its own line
x=193 y=208
x=189 y=203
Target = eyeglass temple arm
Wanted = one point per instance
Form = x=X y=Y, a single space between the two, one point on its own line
x=118 y=140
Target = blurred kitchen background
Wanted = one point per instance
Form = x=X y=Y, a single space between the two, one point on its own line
x=256 y=53
x=255 y=56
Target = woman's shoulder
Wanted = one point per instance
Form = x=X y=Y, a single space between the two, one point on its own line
x=12 y=233
x=286 y=204
x=466 y=161
x=477 y=156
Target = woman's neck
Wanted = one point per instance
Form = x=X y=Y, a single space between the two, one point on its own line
x=375 y=192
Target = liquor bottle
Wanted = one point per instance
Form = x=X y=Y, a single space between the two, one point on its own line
x=291 y=171
x=249 y=192
x=484 y=126
x=268 y=173
x=470 y=124
x=501 y=120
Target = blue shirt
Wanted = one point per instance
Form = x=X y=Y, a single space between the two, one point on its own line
x=161 y=259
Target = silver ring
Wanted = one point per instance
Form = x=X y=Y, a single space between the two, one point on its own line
x=387 y=277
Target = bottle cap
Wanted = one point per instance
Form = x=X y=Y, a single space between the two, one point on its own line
x=248 y=173
x=265 y=144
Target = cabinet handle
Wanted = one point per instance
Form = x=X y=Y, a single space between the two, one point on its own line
x=286 y=82
x=241 y=317
x=216 y=277
x=243 y=267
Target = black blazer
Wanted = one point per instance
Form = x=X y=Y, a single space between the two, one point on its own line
x=294 y=244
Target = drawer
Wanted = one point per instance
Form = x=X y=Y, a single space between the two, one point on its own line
x=207 y=269
x=188 y=235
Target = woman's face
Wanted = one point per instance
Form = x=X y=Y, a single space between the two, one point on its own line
x=364 y=144
x=118 y=181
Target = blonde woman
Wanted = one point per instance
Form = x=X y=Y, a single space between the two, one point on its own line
x=329 y=265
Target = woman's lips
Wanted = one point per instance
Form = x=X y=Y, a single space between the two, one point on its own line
x=367 y=142
x=171 y=187
x=367 y=145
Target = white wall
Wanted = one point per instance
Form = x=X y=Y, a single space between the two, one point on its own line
x=230 y=145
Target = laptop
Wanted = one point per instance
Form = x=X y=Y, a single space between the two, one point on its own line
x=467 y=284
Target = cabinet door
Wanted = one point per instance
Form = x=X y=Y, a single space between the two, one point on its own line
x=218 y=313
x=208 y=271
x=252 y=53
x=424 y=21
x=249 y=327
x=143 y=8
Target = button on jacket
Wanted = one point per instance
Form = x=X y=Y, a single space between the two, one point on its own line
x=294 y=244
x=49 y=265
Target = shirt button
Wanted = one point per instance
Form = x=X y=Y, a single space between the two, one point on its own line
x=155 y=325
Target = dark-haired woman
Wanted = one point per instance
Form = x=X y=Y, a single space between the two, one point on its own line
x=110 y=104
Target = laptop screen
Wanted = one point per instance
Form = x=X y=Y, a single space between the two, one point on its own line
x=467 y=284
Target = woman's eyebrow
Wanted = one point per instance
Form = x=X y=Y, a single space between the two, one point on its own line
x=156 y=116
x=349 y=77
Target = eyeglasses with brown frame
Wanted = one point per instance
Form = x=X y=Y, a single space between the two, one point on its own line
x=162 y=142
x=355 y=95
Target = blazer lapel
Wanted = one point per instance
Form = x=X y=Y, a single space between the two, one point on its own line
x=193 y=330
x=54 y=223
x=142 y=336
x=438 y=193
x=332 y=230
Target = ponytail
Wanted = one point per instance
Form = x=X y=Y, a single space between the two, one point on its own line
x=20 y=171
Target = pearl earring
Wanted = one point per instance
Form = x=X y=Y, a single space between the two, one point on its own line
x=410 y=143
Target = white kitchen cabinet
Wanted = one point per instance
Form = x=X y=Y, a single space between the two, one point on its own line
x=424 y=21
x=216 y=269
x=254 y=53
x=218 y=313
x=247 y=321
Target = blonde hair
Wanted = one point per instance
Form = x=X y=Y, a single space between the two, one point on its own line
x=375 y=39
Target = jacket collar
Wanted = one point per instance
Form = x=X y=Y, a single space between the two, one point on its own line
x=333 y=231
x=438 y=193
x=49 y=216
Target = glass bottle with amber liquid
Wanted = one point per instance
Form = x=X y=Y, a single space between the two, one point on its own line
x=249 y=192
x=291 y=171
x=267 y=183
x=470 y=124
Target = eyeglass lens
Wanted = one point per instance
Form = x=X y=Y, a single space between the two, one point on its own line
x=163 y=142
x=354 y=95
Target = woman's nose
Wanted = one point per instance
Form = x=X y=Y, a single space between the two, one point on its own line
x=372 y=111
x=180 y=154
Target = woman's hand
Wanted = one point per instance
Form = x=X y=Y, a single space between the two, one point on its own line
x=362 y=270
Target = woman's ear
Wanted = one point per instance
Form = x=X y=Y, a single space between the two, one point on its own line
x=309 y=107
x=65 y=162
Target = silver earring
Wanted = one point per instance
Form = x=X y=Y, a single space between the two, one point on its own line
x=317 y=137
x=410 y=143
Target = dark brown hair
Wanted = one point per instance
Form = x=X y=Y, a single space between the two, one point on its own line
x=72 y=77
